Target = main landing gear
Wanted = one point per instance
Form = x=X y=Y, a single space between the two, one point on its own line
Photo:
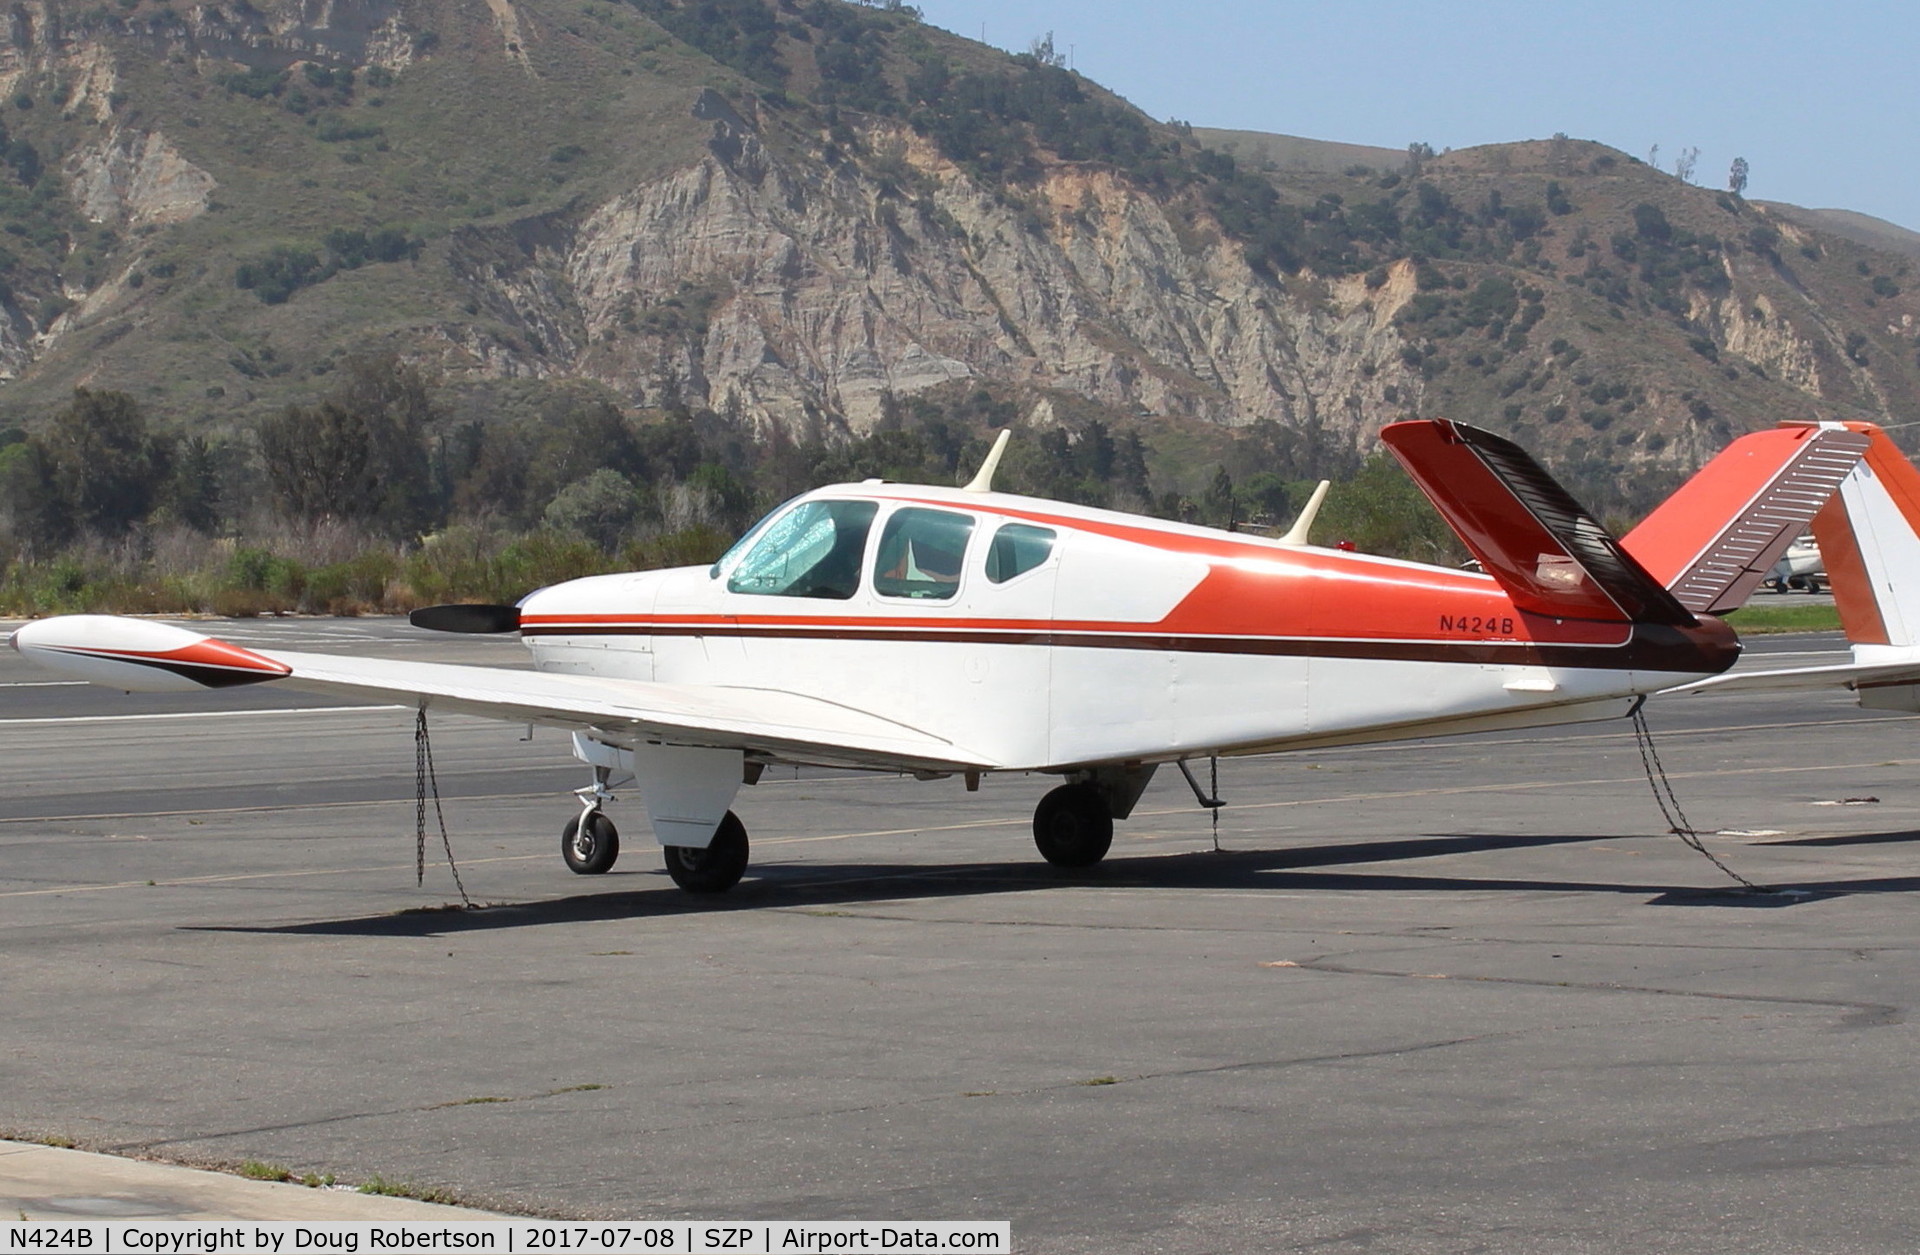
x=1073 y=825
x=590 y=844
x=715 y=869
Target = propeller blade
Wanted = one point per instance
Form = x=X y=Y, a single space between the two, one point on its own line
x=467 y=618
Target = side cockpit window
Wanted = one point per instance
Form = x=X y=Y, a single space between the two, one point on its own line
x=813 y=550
x=920 y=554
x=1016 y=549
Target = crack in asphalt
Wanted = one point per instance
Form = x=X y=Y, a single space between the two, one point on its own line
x=1267 y=930
x=1861 y=1014
x=925 y=1100
x=323 y=1121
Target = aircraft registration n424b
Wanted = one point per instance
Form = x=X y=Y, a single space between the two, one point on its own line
x=944 y=631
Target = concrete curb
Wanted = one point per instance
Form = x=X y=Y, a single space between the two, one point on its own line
x=40 y=1183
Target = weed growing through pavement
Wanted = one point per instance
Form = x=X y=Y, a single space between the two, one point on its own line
x=378 y=1184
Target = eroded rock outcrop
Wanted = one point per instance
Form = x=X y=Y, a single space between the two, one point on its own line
x=780 y=291
x=136 y=179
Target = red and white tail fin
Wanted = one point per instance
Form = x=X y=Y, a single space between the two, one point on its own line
x=1714 y=540
x=1869 y=536
x=1549 y=554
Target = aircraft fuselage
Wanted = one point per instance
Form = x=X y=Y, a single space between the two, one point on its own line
x=1095 y=637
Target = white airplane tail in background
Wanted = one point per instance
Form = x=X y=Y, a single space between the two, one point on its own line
x=1869 y=536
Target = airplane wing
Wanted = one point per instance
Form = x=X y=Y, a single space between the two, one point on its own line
x=140 y=655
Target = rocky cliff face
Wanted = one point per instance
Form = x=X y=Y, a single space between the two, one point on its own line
x=776 y=288
x=133 y=178
x=819 y=292
x=345 y=32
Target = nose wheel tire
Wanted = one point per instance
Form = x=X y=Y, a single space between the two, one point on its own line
x=1072 y=826
x=715 y=869
x=592 y=850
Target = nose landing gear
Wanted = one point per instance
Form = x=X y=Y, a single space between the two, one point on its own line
x=590 y=843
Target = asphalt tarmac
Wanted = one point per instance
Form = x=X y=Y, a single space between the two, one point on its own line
x=1461 y=995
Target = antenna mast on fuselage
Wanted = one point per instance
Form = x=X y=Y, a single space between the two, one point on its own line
x=983 y=482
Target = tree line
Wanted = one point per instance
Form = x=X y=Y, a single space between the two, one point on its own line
x=414 y=499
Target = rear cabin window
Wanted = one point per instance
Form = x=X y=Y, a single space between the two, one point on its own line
x=813 y=550
x=920 y=553
x=1016 y=549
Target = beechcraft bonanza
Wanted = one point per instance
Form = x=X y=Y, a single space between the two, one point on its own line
x=961 y=631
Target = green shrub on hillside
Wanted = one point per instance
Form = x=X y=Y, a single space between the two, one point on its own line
x=738 y=33
x=257 y=83
x=275 y=277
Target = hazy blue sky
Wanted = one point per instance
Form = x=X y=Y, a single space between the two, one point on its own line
x=1821 y=100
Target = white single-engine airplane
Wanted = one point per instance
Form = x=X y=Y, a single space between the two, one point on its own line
x=945 y=631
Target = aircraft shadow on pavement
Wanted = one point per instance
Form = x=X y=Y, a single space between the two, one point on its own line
x=819 y=885
x=1855 y=838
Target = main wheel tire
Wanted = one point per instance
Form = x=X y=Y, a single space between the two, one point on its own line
x=715 y=869
x=591 y=852
x=1072 y=826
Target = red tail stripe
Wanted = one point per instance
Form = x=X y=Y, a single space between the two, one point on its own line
x=1847 y=574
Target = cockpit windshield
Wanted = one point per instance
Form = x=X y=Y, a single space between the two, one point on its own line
x=726 y=560
x=813 y=550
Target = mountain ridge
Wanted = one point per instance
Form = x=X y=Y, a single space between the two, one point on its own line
x=811 y=229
